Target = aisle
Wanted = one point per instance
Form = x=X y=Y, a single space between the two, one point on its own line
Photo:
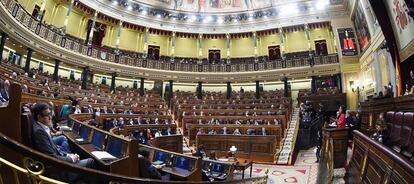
x=284 y=156
x=304 y=171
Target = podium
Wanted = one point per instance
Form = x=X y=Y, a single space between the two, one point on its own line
x=339 y=138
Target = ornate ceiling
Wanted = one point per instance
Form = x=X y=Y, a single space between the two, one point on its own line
x=220 y=16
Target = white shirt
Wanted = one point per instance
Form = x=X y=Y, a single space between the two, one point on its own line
x=158 y=134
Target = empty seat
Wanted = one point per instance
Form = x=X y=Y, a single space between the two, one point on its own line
x=389 y=119
x=26 y=129
x=409 y=150
x=406 y=129
x=396 y=127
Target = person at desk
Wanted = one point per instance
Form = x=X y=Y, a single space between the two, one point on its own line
x=381 y=134
x=158 y=133
x=212 y=155
x=212 y=132
x=263 y=132
x=43 y=142
x=147 y=169
x=340 y=123
x=236 y=132
x=224 y=131
x=141 y=138
x=200 y=152
x=149 y=136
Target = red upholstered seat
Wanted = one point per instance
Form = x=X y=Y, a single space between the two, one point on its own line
x=409 y=150
x=396 y=127
x=389 y=118
x=406 y=130
x=26 y=129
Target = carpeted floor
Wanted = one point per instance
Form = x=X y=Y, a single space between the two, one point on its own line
x=304 y=171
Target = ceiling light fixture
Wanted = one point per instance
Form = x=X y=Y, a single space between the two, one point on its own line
x=289 y=9
x=321 y=4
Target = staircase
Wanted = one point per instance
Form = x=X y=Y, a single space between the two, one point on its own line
x=285 y=154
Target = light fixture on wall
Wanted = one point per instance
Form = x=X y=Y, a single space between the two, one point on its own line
x=356 y=88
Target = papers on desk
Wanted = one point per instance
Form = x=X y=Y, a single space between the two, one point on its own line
x=103 y=155
x=158 y=162
x=65 y=128
x=223 y=159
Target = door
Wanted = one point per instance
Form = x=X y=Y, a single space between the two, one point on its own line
x=274 y=52
x=321 y=48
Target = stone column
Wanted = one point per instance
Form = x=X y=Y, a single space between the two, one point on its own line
x=200 y=90
x=141 y=88
x=113 y=81
x=56 y=71
x=229 y=90
x=2 y=43
x=28 y=59
x=85 y=74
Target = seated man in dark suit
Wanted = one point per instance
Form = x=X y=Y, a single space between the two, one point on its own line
x=147 y=170
x=42 y=140
x=4 y=90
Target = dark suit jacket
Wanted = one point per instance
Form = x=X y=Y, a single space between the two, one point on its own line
x=4 y=94
x=44 y=143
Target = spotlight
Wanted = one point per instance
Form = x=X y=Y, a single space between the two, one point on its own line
x=193 y=18
x=321 y=4
x=289 y=9
x=220 y=20
x=208 y=19
x=129 y=7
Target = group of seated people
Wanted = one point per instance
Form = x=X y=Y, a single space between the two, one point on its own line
x=213 y=121
x=247 y=113
x=147 y=135
x=345 y=119
x=225 y=131
x=97 y=111
x=395 y=130
x=121 y=123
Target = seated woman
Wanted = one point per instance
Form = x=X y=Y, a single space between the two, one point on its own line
x=340 y=123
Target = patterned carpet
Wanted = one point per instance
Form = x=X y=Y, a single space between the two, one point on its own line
x=304 y=171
